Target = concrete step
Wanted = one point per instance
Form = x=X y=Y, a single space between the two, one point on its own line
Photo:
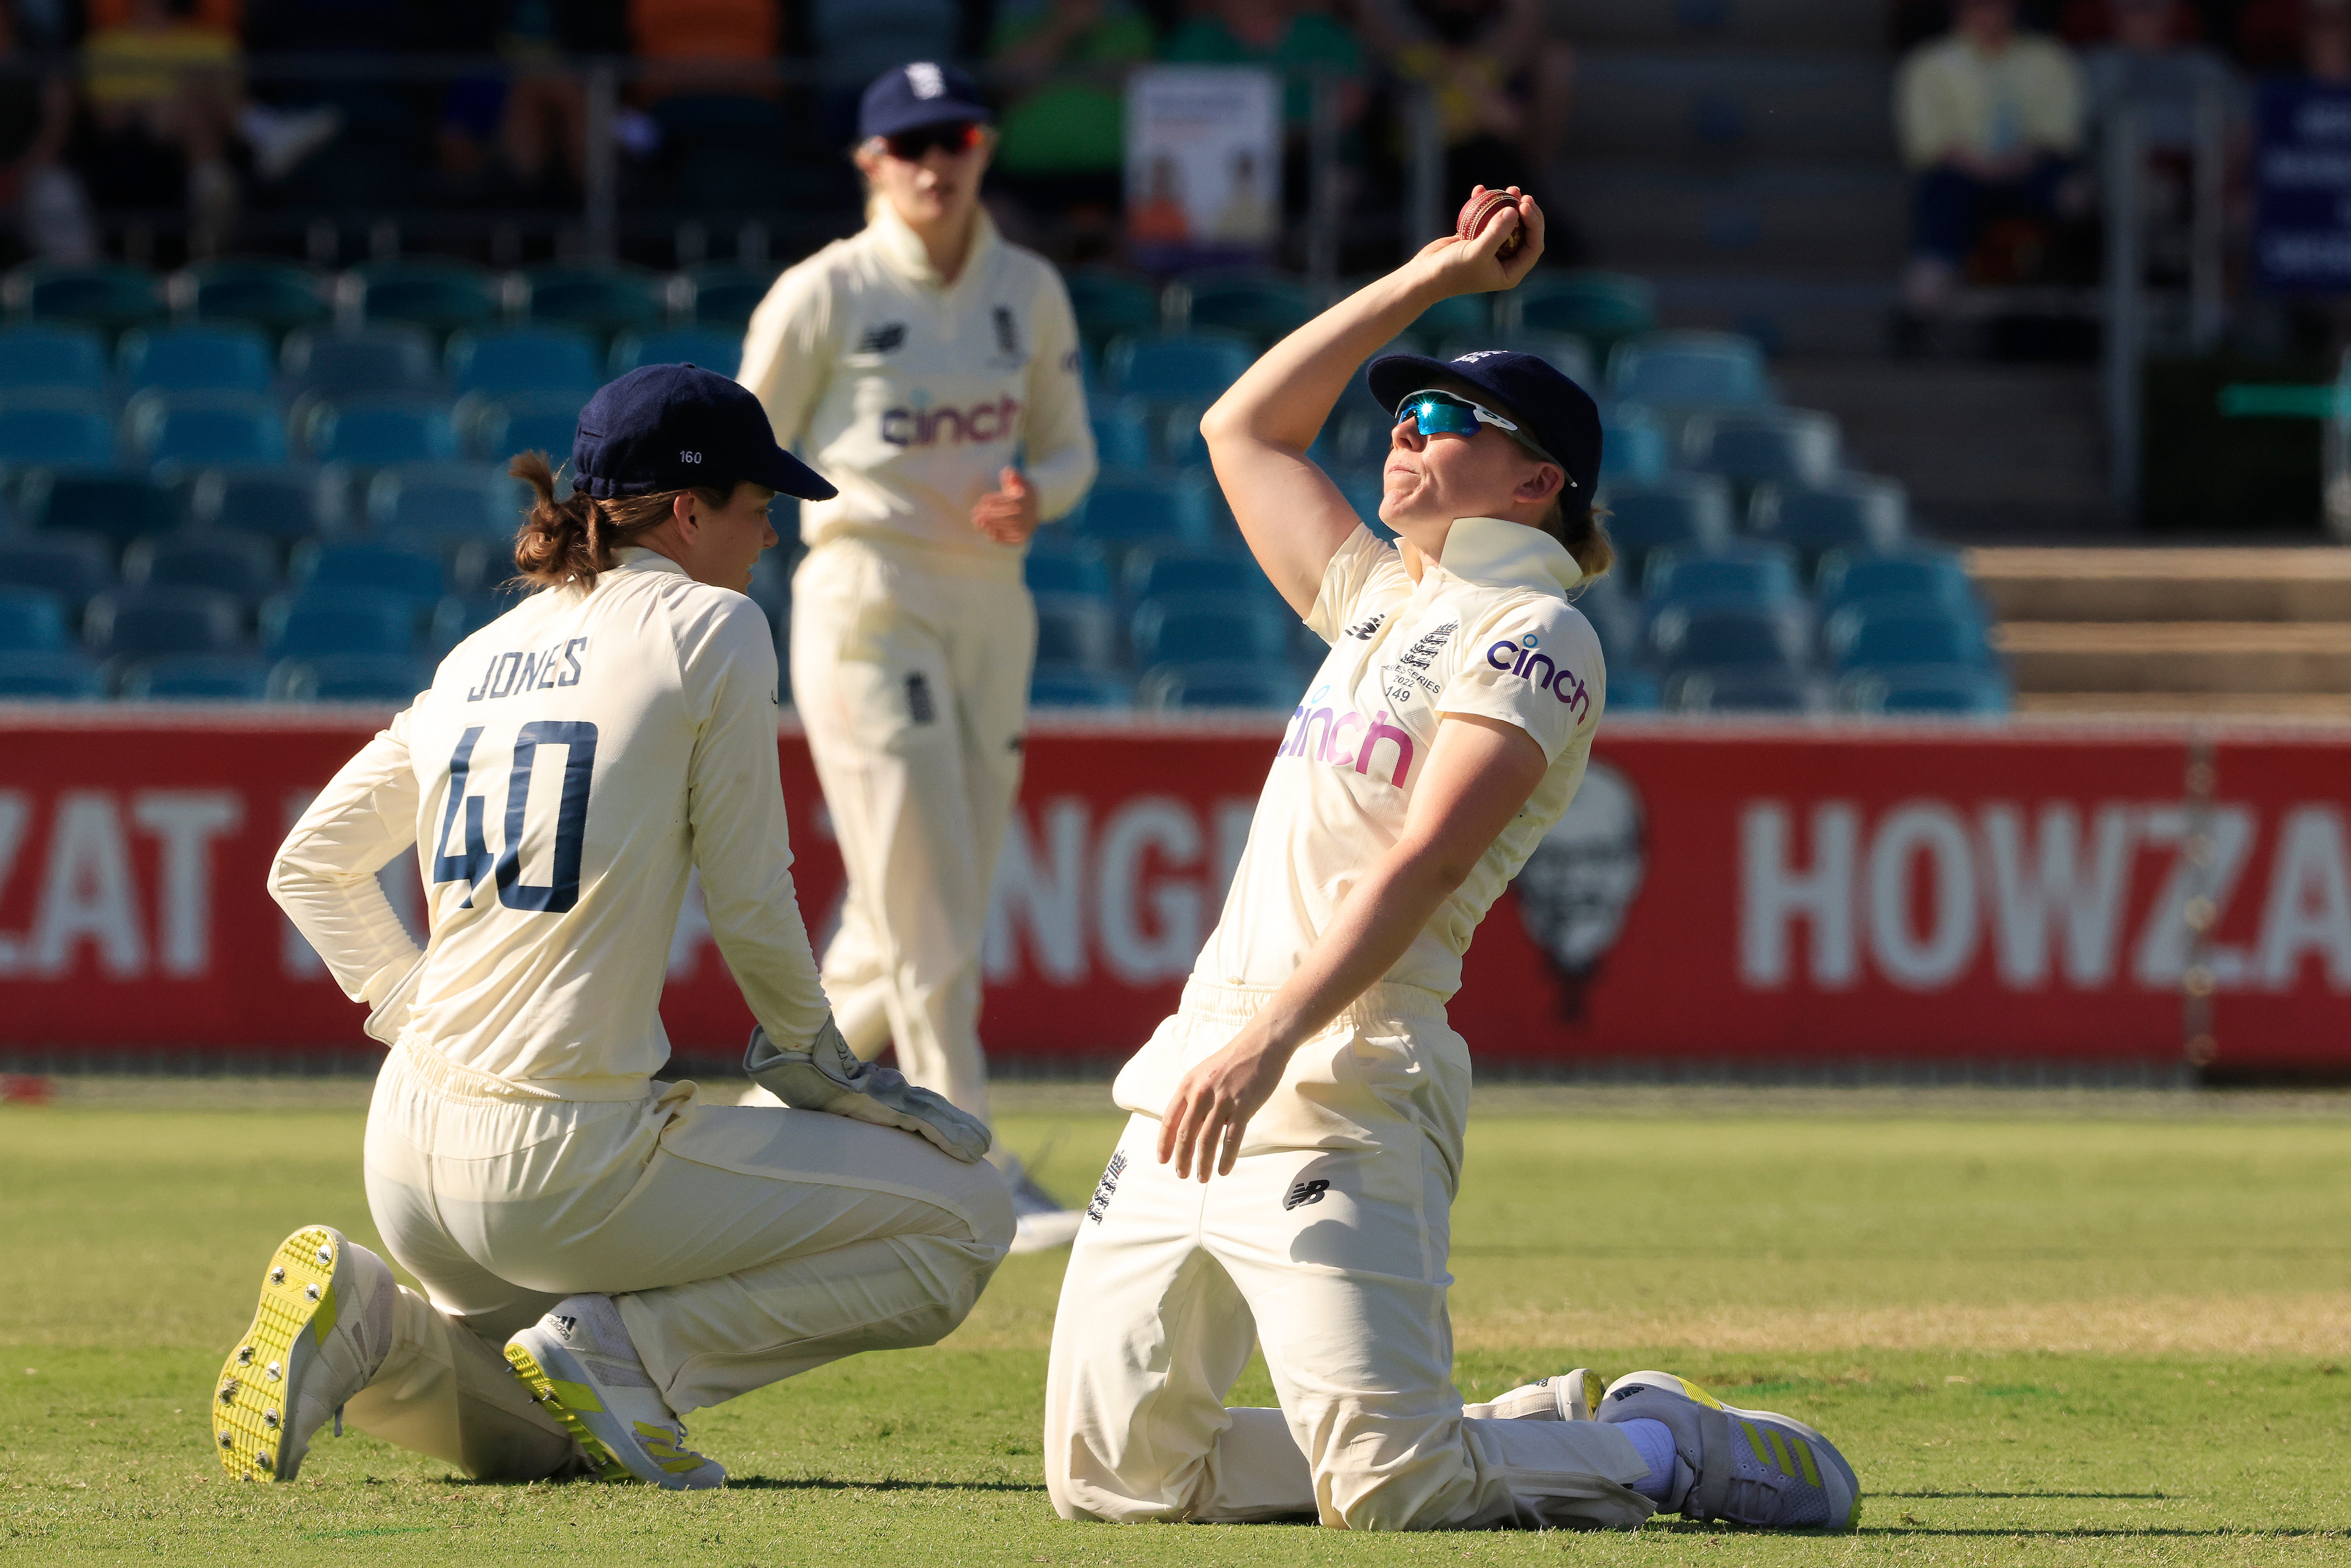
x=1822 y=222
x=1846 y=26
x=2190 y=705
x=2177 y=657
x=1713 y=109
x=2165 y=585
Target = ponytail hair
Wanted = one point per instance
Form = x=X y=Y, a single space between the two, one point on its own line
x=1585 y=536
x=573 y=539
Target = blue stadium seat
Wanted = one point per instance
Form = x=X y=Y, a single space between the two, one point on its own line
x=374 y=678
x=43 y=357
x=1925 y=689
x=1615 y=615
x=535 y=424
x=108 y=296
x=1765 y=446
x=1198 y=628
x=1231 y=573
x=275 y=296
x=1684 y=370
x=1363 y=490
x=599 y=299
x=1146 y=509
x=1077 y=630
x=369 y=565
x=460 y=615
x=1467 y=318
x=1601 y=308
x=1751 y=690
x=1878 y=633
x=73 y=566
x=439 y=297
x=1721 y=634
x=1758 y=572
x=1918 y=571
x=105 y=501
x=1121 y=429
x=524 y=360
x=1050 y=687
x=1258 y=305
x=1632 y=447
x=724 y=293
x=1189 y=367
x=1179 y=435
x=226 y=357
x=1112 y=304
x=1634 y=690
x=326 y=621
x=377 y=363
x=143 y=623
x=287 y=502
x=434 y=506
x=49 y=677
x=376 y=433
x=202 y=429
x=1219 y=685
x=243 y=566
x=32 y=620
x=1689 y=512
x=196 y=677
x=58 y=427
x=1855 y=512
x=712 y=347
x=1058 y=563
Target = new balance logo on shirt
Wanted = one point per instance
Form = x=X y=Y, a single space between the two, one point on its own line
x=886 y=339
x=1305 y=1192
x=1363 y=630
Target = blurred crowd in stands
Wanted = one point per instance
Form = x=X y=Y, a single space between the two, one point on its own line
x=194 y=115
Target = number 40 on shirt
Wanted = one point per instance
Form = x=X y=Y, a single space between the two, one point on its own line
x=474 y=861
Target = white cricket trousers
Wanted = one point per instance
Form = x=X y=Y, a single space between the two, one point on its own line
x=912 y=685
x=1334 y=1258
x=743 y=1244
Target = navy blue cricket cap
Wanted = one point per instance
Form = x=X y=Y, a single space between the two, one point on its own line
x=673 y=427
x=919 y=94
x=1558 y=415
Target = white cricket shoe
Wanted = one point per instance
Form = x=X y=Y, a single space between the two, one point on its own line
x=580 y=1366
x=1746 y=1467
x=1570 y=1396
x=322 y=1329
x=1039 y=1223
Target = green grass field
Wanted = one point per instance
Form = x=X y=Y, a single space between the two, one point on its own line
x=2048 y=1328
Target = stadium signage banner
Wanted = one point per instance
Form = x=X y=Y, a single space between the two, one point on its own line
x=1719 y=894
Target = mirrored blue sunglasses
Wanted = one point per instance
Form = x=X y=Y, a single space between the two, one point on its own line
x=1448 y=414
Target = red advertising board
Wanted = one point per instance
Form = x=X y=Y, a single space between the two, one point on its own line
x=1718 y=894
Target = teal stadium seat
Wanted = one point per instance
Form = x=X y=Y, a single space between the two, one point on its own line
x=1925 y=690
x=1601 y=308
x=277 y=296
x=524 y=360
x=204 y=429
x=1689 y=369
x=226 y=357
x=147 y=622
x=1633 y=448
x=55 y=428
x=1751 y=569
x=32 y=620
x=717 y=348
x=196 y=677
x=1152 y=509
x=376 y=362
x=379 y=679
x=437 y=296
x=535 y=422
x=1186 y=367
x=72 y=566
x=1855 y=512
x=1259 y=306
x=43 y=357
x=106 y=501
x=1689 y=512
x=369 y=565
x=723 y=294
x=49 y=677
x=602 y=301
x=1765 y=446
x=323 y=621
x=107 y=297
x=376 y=433
x=242 y=566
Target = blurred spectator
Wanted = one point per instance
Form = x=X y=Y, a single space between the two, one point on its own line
x=1502 y=86
x=162 y=94
x=1990 y=119
x=860 y=40
x=2327 y=40
x=1286 y=34
x=706 y=44
x=522 y=133
x=1064 y=123
x=36 y=189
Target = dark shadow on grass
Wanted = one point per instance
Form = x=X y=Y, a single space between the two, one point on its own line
x=1968 y=1494
x=827 y=1483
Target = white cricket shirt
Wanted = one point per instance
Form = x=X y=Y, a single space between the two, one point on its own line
x=1487 y=631
x=912 y=393
x=569 y=763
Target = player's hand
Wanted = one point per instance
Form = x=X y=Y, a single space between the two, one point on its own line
x=1457 y=265
x=1212 y=1107
x=1009 y=514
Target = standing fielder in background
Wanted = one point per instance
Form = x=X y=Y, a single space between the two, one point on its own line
x=912 y=362
x=638 y=1252
x=1309 y=1078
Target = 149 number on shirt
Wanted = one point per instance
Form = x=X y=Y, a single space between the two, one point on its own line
x=473 y=862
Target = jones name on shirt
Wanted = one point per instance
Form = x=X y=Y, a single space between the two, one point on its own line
x=558 y=664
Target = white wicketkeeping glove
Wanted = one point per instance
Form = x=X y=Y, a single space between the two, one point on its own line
x=828 y=1076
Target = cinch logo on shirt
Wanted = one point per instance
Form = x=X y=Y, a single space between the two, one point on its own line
x=1337 y=744
x=983 y=422
x=1520 y=658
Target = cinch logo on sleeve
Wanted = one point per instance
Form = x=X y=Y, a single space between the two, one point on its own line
x=1518 y=656
x=1338 y=742
x=981 y=423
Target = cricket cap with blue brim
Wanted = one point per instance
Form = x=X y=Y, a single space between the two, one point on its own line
x=919 y=94
x=678 y=427
x=1560 y=417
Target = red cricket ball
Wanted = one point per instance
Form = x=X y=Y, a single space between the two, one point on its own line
x=1478 y=211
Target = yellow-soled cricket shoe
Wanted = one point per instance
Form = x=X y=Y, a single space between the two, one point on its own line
x=321 y=1332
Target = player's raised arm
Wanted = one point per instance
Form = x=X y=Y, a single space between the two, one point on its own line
x=1257 y=433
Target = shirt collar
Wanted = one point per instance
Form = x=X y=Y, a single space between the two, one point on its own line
x=901 y=248
x=1494 y=552
x=637 y=558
